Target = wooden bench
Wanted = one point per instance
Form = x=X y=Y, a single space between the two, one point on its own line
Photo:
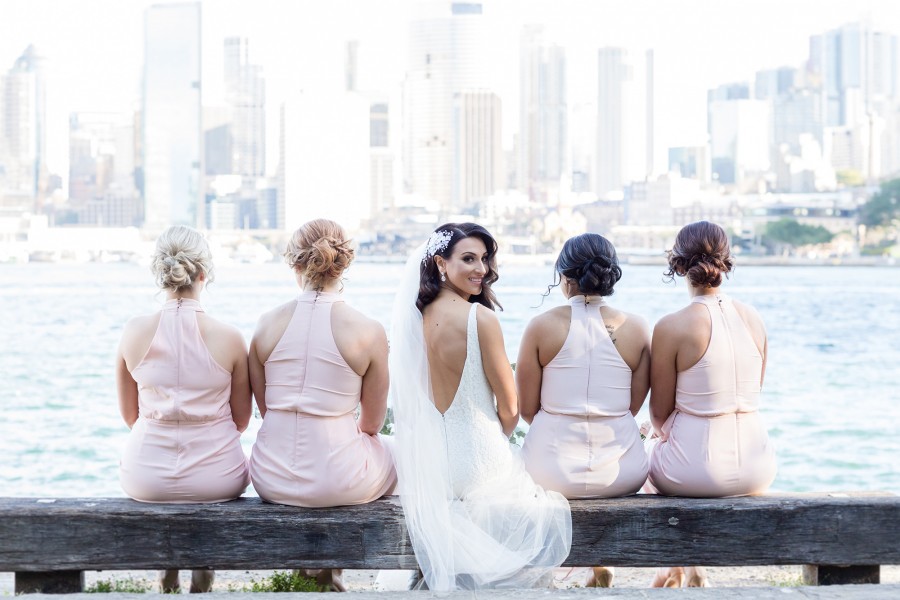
x=50 y=543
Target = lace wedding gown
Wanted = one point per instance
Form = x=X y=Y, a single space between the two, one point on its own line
x=475 y=516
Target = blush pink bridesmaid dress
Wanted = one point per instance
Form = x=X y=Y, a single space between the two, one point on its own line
x=309 y=451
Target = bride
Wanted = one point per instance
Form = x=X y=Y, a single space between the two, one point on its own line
x=475 y=517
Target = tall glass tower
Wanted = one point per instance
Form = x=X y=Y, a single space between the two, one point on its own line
x=172 y=132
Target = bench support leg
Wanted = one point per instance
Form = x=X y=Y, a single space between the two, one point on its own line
x=840 y=575
x=49 y=582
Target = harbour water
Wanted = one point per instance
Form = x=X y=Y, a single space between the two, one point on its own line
x=831 y=396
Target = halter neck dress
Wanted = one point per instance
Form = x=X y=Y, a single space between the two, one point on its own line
x=715 y=444
x=584 y=441
x=309 y=450
x=184 y=447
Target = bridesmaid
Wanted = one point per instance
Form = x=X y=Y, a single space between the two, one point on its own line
x=709 y=360
x=582 y=374
x=184 y=391
x=314 y=362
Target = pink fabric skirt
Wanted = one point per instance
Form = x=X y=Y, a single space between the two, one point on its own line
x=183 y=462
x=580 y=457
x=313 y=461
x=712 y=457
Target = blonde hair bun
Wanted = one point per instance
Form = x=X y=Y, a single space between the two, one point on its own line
x=181 y=256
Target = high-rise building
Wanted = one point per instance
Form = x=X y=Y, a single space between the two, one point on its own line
x=245 y=95
x=172 y=133
x=381 y=158
x=23 y=122
x=796 y=113
x=625 y=118
x=478 y=159
x=772 y=83
x=690 y=162
x=855 y=56
x=447 y=55
x=739 y=139
x=543 y=127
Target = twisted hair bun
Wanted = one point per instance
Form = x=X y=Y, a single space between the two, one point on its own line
x=320 y=251
x=702 y=254
x=181 y=256
x=590 y=261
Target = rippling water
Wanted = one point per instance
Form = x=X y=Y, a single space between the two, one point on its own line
x=831 y=395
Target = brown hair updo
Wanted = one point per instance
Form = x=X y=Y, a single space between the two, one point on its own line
x=320 y=251
x=702 y=254
x=181 y=256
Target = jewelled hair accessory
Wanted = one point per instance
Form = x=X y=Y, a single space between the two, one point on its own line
x=437 y=242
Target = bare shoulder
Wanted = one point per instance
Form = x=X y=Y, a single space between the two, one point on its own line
x=751 y=317
x=225 y=332
x=551 y=320
x=635 y=324
x=364 y=326
x=140 y=326
x=276 y=315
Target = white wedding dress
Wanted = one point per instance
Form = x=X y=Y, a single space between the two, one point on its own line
x=475 y=517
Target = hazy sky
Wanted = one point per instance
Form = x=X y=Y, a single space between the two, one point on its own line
x=94 y=48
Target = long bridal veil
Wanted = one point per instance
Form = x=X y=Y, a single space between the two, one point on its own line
x=508 y=533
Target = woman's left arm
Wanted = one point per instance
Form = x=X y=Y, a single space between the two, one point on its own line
x=241 y=399
x=497 y=369
x=663 y=373
x=127 y=390
x=373 y=395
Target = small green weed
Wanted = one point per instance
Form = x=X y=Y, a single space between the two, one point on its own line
x=286 y=581
x=795 y=581
x=129 y=585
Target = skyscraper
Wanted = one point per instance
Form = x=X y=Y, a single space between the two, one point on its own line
x=478 y=148
x=446 y=56
x=625 y=118
x=855 y=56
x=739 y=139
x=23 y=122
x=245 y=95
x=172 y=133
x=543 y=133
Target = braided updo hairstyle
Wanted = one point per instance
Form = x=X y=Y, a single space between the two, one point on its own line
x=702 y=254
x=181 y=256
x=320 y=251
x=589 y=260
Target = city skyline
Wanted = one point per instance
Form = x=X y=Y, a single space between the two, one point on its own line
x=99 y=67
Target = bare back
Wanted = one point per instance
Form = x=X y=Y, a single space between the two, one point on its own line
x=445 y=322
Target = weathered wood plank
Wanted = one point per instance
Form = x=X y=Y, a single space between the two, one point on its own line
x=856 y=592
x=51 y=582
x=114 y=534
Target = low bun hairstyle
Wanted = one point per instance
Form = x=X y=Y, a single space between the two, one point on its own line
x=590 y=261
x=319 y=251
x=702 y=254
x=181 y=256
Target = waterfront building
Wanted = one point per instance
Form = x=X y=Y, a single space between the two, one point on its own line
x=171 y=129
x=690 y=162
x=739 y=140
x=543 y=127
x=245 y=96
x=23 y=131
x=625 y=119
x=478 y=149
x=447 y=56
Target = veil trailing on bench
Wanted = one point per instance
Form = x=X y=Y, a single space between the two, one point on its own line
x=507 y=533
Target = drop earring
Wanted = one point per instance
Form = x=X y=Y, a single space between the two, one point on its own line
x=443 y=277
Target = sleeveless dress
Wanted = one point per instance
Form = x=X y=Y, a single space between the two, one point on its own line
x=184 y=446
x=508 y=527
x=309 y=451
x=714 y=444
x=584 y=441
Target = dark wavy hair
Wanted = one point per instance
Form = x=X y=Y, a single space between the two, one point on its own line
x=702 y=254
x=590 y=261
x=430 y=277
